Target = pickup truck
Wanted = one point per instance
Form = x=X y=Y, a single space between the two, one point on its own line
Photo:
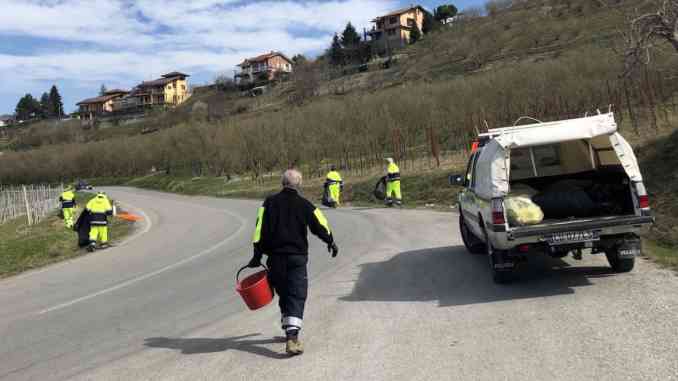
x=585 y=163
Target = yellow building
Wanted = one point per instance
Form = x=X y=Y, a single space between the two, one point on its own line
x=393 y=29
x=169 y=90
x=93 y=107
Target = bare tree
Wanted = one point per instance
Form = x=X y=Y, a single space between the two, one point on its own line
x=649 y=30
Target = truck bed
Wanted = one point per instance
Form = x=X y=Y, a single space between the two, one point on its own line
x=581 y=224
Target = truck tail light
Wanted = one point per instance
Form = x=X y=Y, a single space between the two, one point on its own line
x=643 y=198
x=498 y=212
x=644 y=202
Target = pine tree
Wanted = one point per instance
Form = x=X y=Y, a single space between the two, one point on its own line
x=336 y=52
x=430 y=23
x=27 y=108
x=103 y=89
x=350 y=37
x=415 y=34
x=45 y=105
x=56 y=106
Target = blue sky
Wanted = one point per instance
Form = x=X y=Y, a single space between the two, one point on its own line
x=80 y=44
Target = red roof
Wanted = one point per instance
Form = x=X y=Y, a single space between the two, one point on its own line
x=263 y=57
x=101 y=99
x=399 y=12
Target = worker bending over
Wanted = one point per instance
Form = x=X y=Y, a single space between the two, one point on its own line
x=393 y=184
x=67 y=200
x=99 y=208
x=281 y=234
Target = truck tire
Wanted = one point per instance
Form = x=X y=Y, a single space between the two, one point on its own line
x=499 y=276
x=619 y=265
x=471 y=242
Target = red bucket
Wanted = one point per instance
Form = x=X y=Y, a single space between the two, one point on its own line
x=254 y=290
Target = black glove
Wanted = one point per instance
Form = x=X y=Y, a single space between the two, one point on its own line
x=256 y=260
x=332 y=248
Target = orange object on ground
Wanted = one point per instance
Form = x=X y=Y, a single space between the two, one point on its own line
x=129 y=217
x=254 y=290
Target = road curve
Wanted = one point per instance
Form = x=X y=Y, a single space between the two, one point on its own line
x=403 y=301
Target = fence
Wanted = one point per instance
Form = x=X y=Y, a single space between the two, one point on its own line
x=33 y=201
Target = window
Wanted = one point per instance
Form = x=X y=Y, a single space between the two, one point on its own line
x=475 y=165
x=411 y=23
x=393 y=20
x=391 y=32
x=469 y=170
x=183 y=87
x=546 y=156
x=169 y=87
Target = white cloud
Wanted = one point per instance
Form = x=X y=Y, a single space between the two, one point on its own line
x=130 y=40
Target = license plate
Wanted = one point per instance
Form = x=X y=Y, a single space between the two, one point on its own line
x=571 y=237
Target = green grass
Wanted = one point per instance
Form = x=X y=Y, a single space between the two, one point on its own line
x=421 y=189
x=664 y=255
x=24 y=247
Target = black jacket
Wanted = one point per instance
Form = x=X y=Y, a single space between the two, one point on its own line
x=283 y=223
x=82 y=226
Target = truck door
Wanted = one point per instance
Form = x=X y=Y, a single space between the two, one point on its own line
x=468 y=199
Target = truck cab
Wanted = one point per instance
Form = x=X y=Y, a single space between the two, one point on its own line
x=580 y=174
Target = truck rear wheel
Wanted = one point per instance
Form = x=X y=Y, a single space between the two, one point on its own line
x=472 y=243
x=501 y=268
x=618 y=264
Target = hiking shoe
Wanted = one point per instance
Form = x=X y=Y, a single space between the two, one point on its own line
x=91 y=248
x=294 y=347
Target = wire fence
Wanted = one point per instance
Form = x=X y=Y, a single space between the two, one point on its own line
x=33 y=201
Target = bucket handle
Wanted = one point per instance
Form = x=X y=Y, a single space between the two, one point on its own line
x=237 y=275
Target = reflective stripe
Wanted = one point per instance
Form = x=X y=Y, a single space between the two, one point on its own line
x=291 y=321
x=99 y=223
x=257 y=231
x=322 y=220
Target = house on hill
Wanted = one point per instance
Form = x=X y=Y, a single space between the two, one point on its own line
x=263 y=68
x=92 y=108
x=6 y=120
x=169 y=90
x=393 y=30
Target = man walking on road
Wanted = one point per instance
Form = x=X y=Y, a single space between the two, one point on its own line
x=334 y=184
x=281 y=234
x=393 y=184
x=68 y=203
x=99 y=208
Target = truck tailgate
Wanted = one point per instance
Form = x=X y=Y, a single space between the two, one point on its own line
x=578 y=225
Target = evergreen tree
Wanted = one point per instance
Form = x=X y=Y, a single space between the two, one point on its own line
x=445 y=12
x=336 y=52
x=56 y=106
x=415 y=34
x=44 y=105
x=350 y=37
x=27 y=108
x=299 y=59
x=430 y=23
x=103 y=89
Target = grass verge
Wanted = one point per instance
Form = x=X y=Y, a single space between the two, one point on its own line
x=664 y=255
x=423 y=189
x=24 y=247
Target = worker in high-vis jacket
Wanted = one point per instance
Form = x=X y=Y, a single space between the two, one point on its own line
x=393 y=193
x=67 y=200
x=335 y=185
x=281 y=234
x=99 y=209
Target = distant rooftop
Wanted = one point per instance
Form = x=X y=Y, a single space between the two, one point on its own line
x=399 y=12
x=263 y=57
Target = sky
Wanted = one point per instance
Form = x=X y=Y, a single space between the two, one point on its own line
x=78 y=45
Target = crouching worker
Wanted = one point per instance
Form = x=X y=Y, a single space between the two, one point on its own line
x=99 y=208
x=333 y=187
x=67 y=200
x=281 y=234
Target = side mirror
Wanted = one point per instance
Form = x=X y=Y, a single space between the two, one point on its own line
x=457 y=180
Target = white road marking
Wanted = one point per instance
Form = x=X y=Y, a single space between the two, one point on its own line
x=159 y=271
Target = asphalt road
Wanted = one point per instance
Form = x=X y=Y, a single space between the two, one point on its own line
x=403 y=301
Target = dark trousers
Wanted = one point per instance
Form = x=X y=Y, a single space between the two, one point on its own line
x=289 y=278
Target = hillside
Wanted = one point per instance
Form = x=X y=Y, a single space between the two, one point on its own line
x=543 y=58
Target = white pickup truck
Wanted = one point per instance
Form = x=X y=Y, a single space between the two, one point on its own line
x=583 y=175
